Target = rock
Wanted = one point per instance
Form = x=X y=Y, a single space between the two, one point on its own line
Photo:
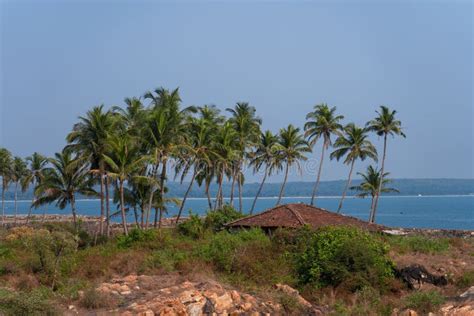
x=126 y=293
x=408 y=312
x=222 y=303
x=235 y=296
x=130 y=278
x=195 y=309
x=246 y=306
x=148 y=312
x=468 y=295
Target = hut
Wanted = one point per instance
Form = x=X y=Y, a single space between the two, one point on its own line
x=298 y=214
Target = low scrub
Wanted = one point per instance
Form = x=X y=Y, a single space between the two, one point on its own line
x=34 y=302
x=424 y=302
x=420 y=244
x=337 y=256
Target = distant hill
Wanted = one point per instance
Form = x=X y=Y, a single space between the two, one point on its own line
x=327 y=188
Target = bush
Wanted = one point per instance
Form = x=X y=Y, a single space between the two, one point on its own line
x=465 y=280
x=93 y=299
x=424 y=302
x=215 y=220
x=26 y=303
x=193 y=227
x=135 y=236
x=420 y=244
x=223 y=247
x=339 y=255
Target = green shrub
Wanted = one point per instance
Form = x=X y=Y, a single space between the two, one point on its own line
x=424 y=302
x=215 y=220
x=35 y=302
x=193 y=227
x=223 y=247
x=420 y=244
x=167 y=259
x=466 y=280
x=93 y=299
x=134 y=236
x=338 y=255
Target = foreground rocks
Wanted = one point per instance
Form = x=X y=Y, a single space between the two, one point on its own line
x=156 y=295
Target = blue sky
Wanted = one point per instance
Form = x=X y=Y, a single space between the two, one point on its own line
x=59 y=58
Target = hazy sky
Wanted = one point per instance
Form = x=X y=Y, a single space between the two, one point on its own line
x=59 y=58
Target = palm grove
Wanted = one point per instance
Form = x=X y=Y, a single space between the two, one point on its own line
x=124 y=155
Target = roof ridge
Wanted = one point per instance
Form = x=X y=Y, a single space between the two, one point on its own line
x=254 y=215
x=296 y=213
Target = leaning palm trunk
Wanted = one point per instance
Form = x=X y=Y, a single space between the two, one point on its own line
x=107 y=205
x=186 y=196
x=73 y=209
x=232 y=187
x=379 y=190
x=162 y=193
x=315 y=189
x=152 y=193
x=371 y=208
x=219 y=197
x=259 y=190
x=101 y=223
x=16 y=198
x=240 y=191
x=3 y=203
x=209 y=201
x=347 y=186
x=283 y=185
x=122 y=209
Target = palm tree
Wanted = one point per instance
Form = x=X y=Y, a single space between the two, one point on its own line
x=321 y=123
x=197 y=155
x=247 y=126
x=353 y=144
x=124 y=161
x=226 y=153
x=384 y=124
x=166 y=134
x=371 y=182
x=5 y=173
x=67 y=177
x=37 y=165
x=292 y=149
x=265 y=154
x=19 y=172
x=89 y=138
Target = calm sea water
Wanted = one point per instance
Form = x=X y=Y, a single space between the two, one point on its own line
x=448 y=212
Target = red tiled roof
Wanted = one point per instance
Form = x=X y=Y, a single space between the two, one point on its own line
x=299 y=214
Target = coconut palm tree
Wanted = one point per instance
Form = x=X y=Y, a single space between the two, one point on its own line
x=247 y=126
x=265 y=154
x=89 y=138
x=68 y=176
x=37 y=164
x=226 y=153
x=354 y=145
x=124 y=160
x=383 y=125
x=19 y=172
x=293 y=148
x=321 y=123
x=197 y=155
x=166 y=133
x=370 y=185
x=6 y=174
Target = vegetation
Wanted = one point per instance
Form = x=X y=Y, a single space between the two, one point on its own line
x=132 y=149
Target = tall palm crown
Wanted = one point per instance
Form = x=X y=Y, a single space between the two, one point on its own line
x=20 y=172
x=322 y=122
x=292 y=149
x=353 y=144
x=133 y=117
x=68 y=176
x=37 y=164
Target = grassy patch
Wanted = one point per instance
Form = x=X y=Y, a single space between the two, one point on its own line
x=424 y=302
x=419 y=244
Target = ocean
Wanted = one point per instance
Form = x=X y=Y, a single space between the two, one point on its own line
x=444 y=211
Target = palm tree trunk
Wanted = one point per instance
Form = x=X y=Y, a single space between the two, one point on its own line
x=73 y=209
x=122 y=209
x=136 y=217
x=347 y=186
x=186 y=196
x=283 y=185
x=162 y=192
x=208 y=195
x=16 y=198
x=101 y=223
x=107 y=205
x=371 y=210
x=152 y=193
x=379 y=190
x=240 y=190
x=315 y=189
x=259 y=190
x=160 y=220
x=3 y=202
x=232 y=187
x=219 y=196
